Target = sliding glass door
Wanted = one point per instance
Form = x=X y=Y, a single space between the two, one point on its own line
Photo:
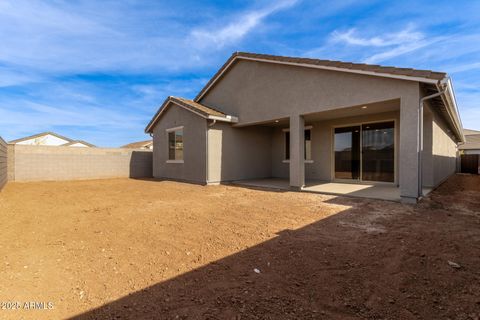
x=378 y=152
x=365 y=152
x=347 y=153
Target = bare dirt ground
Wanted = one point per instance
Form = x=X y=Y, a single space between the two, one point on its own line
x=139 y=249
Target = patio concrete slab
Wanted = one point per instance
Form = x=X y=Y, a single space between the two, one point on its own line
x=372 y=191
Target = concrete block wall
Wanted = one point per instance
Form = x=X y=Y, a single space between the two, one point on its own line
x=10 y=162
x=42 y=163
x=3 y=163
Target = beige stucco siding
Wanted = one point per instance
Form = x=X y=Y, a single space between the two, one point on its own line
x=439 y=149
x=257 y=91
x=260 y=92
x=194 y=134
x=322 y=146
x=444 y=151
x=238 y=153
x=427 y=154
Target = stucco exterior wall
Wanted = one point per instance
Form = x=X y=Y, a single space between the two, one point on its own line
x=322 y=138
x=37 y=163
x=193 y=169
x=238 y=153
x=258 y=91
x=3 y=163
x=427 y=154
x=444 y=151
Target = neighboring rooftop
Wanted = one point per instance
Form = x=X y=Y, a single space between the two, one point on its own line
x=76 y=142
x=469 y=132
x=472 y=138
x=147 y=144
x=50 y=138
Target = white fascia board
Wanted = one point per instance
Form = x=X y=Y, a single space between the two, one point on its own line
x=231 y=119
x=306 y=128
x=455 y=108
x=174 y=129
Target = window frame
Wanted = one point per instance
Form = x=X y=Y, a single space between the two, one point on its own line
x=287 y=130
x=174 y=131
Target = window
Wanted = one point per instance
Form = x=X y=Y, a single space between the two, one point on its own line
x=308 y=144
x=287 y=145
x=175 y=144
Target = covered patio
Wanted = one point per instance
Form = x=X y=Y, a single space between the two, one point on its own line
x=361 y=190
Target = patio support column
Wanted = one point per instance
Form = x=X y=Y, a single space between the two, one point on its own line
x=297 y=151
x=409 y=147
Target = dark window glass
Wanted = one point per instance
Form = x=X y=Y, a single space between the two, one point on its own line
x=179 y=145
x=171 y=145
x=287 y=145
x=175 y=145
x=347 y=153
x=378 y=152
x=308 y=145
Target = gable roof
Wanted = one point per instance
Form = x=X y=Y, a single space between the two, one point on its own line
x=426 y=76
x=192 y=106
x=41 y=135
x=472 y=142
x=78 y=141
x=469 y=132
x=138 y=144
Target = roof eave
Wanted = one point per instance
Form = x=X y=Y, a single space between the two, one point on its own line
x=452 y=107
x=236 y=57
x=151 y=124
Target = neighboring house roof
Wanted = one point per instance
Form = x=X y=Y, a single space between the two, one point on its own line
x=49 y=133
x=468 y=132
x=472 y=140
x=192 y=106
x=41 y=135
x=369 y=69
x=138 y=144
x=78 y=141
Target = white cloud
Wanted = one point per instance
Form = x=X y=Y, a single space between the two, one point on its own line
x=237 y=29
x=400 y=50
x=393 y=44
x=405 y=36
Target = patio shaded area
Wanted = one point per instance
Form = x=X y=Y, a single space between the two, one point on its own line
x=362 y=190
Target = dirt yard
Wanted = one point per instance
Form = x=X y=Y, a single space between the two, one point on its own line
x=139 y=249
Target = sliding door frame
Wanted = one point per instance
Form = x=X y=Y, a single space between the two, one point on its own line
x=361 y=181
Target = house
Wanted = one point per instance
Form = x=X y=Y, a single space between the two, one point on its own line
x=472 y=142
x=306 y=120
x=51 y=139
x=146 y=145
x=470 y=152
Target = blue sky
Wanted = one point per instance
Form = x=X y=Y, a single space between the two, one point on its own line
x=98 y=70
